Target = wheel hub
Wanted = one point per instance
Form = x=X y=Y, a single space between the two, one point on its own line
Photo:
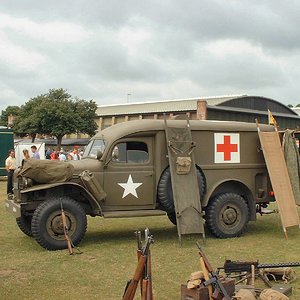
x=229 y=215
x=57 y=225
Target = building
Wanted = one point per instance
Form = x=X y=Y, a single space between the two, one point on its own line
x=231 y=108
x=296 y=109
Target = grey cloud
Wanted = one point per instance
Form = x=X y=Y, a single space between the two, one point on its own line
x=101 y=67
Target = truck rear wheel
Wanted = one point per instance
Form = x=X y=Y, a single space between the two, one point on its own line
x=47 y=227
x=165 y=192
x=24 y=223
x=227 y=215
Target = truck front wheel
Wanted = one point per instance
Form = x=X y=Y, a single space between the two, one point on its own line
x=227 y=215
x=47 y=227
x=24 y=223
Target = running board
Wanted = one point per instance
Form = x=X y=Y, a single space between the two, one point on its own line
x=133 y=213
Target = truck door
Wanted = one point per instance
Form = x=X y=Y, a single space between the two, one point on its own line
x=129 y=175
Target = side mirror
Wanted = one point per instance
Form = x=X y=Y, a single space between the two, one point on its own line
x=99 y=154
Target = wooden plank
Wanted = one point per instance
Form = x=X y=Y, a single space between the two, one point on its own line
x=279 y=177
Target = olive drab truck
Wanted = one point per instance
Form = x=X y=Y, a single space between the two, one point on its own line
x=125 y=172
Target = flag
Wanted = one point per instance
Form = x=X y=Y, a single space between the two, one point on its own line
x=272 y=120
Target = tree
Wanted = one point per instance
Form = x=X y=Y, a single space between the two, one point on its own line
x=10 y=110
x=28 y=122
x=57 y=114
x=290 y=105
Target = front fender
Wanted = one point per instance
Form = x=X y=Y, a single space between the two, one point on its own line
x=92 y=200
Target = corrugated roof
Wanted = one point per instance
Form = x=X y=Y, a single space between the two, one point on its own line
x=159 y=106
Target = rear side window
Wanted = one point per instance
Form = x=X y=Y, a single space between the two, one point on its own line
x=131 y=152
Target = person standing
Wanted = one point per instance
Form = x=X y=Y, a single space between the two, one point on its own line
x=26 y=154
x=10 y=166
x=62 y=155
x=35 y=153
x=54 y=155
x=75 y=155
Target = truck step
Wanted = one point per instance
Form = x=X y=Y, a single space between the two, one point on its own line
x=137 y=213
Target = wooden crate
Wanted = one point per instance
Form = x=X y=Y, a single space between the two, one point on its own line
x=201 y=293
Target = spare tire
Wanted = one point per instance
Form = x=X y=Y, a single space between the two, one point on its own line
x=165 y=192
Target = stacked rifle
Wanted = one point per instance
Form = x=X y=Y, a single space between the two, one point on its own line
x=142 y=273
x=215 y=286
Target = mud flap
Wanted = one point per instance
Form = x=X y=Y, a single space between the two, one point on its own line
x=186 y=195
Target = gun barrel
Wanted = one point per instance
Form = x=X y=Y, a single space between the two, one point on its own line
x=279 y=265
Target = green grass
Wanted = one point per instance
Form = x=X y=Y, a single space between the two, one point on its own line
x=28 y=271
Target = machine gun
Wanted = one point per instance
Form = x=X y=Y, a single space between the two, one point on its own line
x=143 y=270
x=251 y=268
x=213 y=278
x=245 y=266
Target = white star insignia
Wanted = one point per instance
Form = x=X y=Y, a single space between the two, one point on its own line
x=129 y=187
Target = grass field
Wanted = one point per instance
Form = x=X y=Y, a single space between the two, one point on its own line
x=28 y=271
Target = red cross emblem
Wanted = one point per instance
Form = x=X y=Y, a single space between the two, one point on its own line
x=227 y=148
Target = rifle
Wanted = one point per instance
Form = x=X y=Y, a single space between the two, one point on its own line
x=147 y=280
x=66 y=231
x=139 y=252
x=133 y=283
x=214 y=279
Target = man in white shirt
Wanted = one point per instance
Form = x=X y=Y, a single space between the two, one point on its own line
x=10 y=166
x=75 y=155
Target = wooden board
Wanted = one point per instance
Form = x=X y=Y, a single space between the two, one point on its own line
x=279 y=177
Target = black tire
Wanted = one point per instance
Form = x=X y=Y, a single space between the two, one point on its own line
x=24 y=223
x=227 y=215
x=47 y=226
x=172 y=218
x=165 y=192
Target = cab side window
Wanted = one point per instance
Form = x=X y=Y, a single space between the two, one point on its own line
x=131 y=152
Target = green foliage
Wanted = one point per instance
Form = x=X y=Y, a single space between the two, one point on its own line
x=57 y=114
x=28 y=121
x=290 y=105
x=298 y=105
x=10 y=110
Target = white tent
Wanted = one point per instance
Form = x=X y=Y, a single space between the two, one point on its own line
x=22 y=145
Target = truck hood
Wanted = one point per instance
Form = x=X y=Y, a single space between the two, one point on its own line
x=90 y=164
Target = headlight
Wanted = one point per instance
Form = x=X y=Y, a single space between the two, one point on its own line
x=27 y=182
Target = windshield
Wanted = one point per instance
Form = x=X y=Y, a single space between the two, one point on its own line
x=93 y=147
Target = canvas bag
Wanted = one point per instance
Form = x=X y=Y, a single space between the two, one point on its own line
x=46 y=171
x=270 y=294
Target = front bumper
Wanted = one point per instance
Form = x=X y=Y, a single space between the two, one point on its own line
x=13 y=208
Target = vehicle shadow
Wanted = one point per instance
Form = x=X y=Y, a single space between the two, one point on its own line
x=126 y=234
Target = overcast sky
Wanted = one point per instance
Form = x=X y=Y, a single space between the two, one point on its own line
x=153 y=50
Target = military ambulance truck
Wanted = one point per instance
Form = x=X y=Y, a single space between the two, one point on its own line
x=131 y=175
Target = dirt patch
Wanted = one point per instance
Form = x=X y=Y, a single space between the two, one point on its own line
x=12 y=273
